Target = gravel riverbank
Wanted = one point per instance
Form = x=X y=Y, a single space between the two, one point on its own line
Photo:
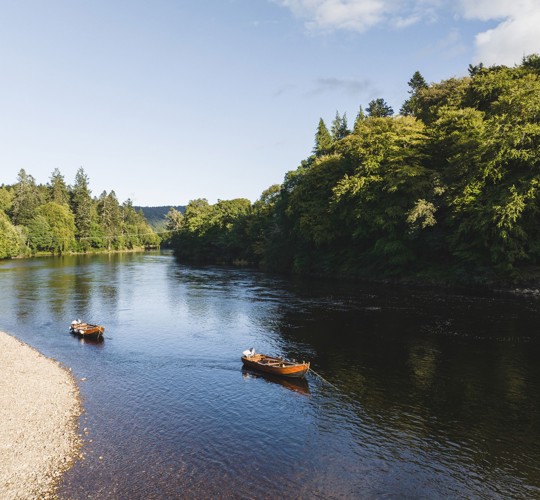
x=39 y=410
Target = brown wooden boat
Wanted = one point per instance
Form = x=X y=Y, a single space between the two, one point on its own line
x=86 y=330
x=273 y=365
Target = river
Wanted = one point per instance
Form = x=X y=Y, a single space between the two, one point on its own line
x=426 y=394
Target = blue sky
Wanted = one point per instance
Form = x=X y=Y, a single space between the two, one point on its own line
x=171 y=100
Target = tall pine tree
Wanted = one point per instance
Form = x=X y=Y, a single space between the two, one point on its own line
x=379 y=108
x=58 y=191
x=323 y=140
x=416 y=84
x=26 y=199
x=339 y=127
x=82 y=207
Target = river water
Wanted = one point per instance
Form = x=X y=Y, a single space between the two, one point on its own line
x=426 y=393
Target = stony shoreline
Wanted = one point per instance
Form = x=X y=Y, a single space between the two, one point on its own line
x=39 y=411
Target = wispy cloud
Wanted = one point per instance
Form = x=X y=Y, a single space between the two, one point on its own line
x=284 y=89
x=352 y=87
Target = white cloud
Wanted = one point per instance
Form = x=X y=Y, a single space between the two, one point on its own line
x=515 y=35
x=338 y=14
x=486 y=10
x=360 y=15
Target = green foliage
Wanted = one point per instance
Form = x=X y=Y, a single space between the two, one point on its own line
x=61 y=224
x=135 y=228
x=388 y=180
x=84 y=210
x=416 y=84
x=110 y=219
x=340 y=128
x=157 y=216
x=360 y=117
x=379 y=108
x=6 y=199
x=57 y=219
x=213 y=233
x=448 y=93
x=26 y=198
x=531 y=63
x=422 y=215
x=58 y=191
x=11 y=240
x=309 y=204
x=488 y=157
x=263 y=227
x=40 y=238
x=175 y=219
x=452 y=185
x=323 y=140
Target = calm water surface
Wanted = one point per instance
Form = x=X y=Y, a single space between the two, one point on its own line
x=432 y=394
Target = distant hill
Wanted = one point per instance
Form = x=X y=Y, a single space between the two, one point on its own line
x=156 y=215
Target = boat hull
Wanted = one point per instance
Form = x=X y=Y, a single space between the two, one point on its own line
x=275 y=366
x=87 y=331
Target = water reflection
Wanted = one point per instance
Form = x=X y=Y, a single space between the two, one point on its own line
x=469 y=391
x=89 y=341
x=299 y=385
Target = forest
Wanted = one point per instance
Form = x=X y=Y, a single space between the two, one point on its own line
x=58 y=219
x=446 y=189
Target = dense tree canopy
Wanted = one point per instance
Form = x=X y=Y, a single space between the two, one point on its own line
x=212 y=233
x=58 y=219
x=451 y=186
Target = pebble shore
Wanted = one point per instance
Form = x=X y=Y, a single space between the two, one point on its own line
x=39 y=410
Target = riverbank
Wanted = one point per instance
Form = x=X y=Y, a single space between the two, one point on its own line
x=39 y=410
x=95 y=251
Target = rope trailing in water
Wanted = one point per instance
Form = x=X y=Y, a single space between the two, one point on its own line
x=311 y=370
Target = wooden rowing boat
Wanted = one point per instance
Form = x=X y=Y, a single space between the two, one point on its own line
x=274 y=365
x=86 y=330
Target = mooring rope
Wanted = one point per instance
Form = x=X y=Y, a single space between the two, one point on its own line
x=311 y=370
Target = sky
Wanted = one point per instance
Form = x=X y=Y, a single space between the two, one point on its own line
x=166 y=101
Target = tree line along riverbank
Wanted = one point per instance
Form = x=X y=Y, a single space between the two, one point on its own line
x=445 y=191
x=56 y=219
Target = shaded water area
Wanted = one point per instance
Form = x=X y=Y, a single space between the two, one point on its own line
x=434 y=394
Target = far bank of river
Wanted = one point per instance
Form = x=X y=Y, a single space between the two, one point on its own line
x=524 y=282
